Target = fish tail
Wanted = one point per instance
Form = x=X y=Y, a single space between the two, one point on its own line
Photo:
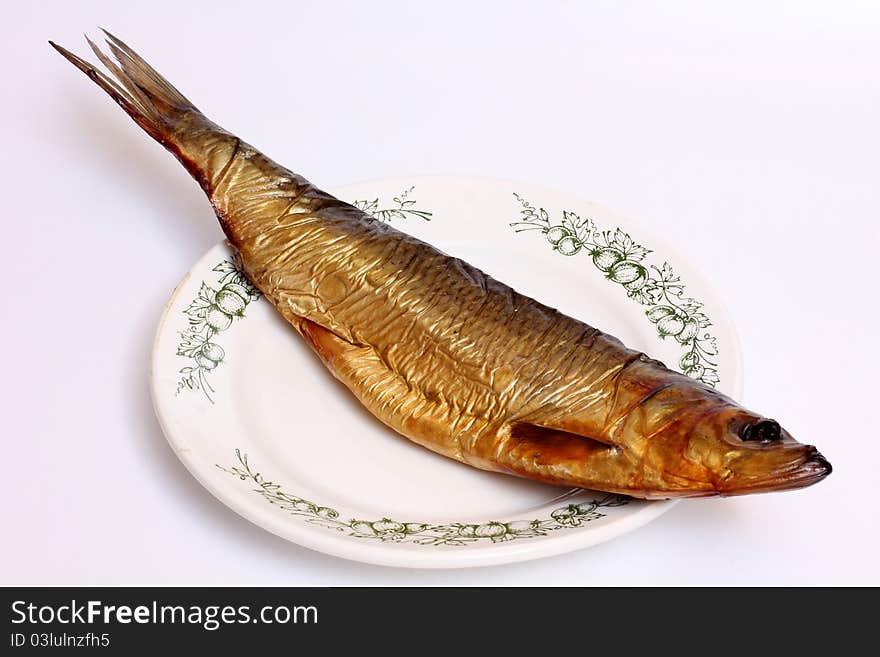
x=143 y=93
x=153 y=102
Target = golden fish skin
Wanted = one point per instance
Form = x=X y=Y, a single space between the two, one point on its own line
x=446 y=355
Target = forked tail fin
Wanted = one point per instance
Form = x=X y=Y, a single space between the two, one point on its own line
x=146 y=96
x=238 y=179
x=160 y=109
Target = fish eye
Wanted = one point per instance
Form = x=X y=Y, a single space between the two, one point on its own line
x=763 y=431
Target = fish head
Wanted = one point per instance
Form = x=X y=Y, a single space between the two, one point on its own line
x=728 y=450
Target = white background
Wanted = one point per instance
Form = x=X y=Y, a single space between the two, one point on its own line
x=746 y=133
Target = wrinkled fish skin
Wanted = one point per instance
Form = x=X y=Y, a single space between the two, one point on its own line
x=446 y=355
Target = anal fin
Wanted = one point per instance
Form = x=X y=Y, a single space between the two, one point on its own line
x=383 y=391
x=332 y=349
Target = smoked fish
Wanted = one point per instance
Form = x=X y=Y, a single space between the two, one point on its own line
x=447 y=356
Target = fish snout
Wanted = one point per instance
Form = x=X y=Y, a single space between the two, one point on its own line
x=774 y=468
x=817 y=465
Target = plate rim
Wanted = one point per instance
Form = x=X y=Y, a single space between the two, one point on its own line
x=377 y=553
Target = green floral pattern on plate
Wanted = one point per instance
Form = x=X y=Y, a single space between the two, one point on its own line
x=403 y=207
x=658 y=289
x=211 y=312
x=389 y=530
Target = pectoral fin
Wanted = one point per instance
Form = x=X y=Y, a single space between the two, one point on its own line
x=560 y=457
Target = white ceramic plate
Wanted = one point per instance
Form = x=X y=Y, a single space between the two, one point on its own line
x=260 y=423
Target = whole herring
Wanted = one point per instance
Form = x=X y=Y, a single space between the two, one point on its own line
x=448 y=356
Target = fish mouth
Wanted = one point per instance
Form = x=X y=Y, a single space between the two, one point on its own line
x=809 y=468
